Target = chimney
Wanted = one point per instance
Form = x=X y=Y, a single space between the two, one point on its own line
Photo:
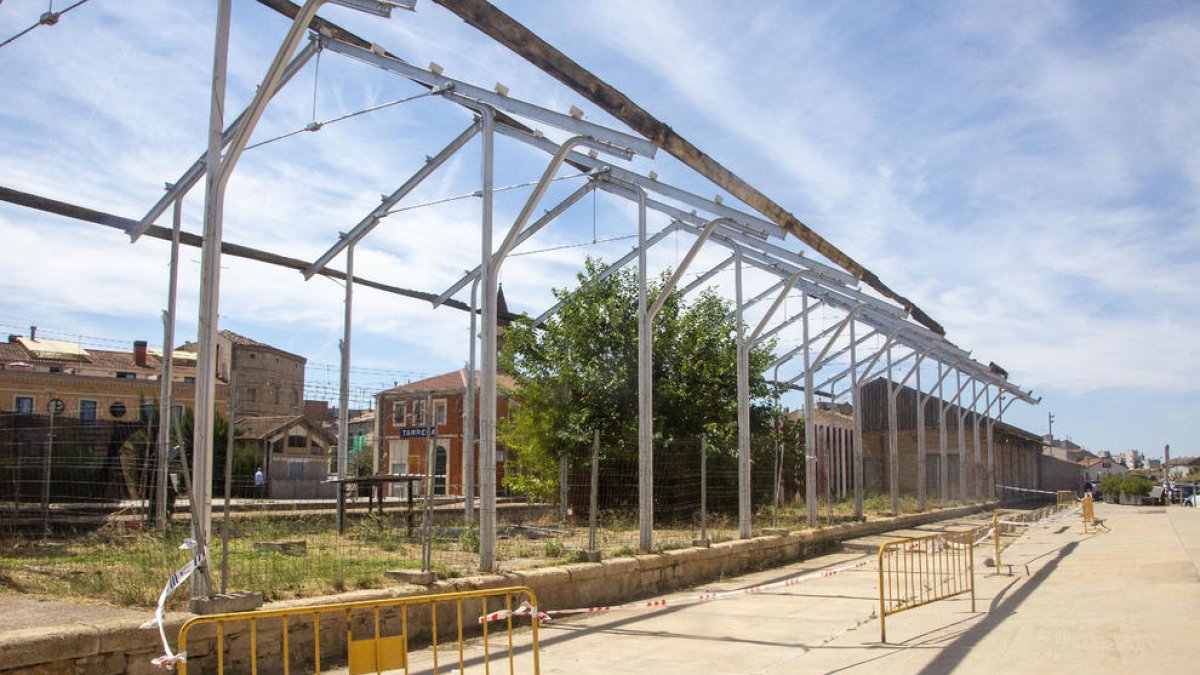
x=33 y=332
x=139 y=353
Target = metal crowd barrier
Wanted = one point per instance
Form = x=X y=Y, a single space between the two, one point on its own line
x=1089 y=512
x=370 y=636
x=1066 y=498
x=916 y=572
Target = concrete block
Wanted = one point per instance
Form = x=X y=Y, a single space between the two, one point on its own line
x=35 y=646
x=415 y=577
x=584 y=571
x=294 y=547
x=227 y=603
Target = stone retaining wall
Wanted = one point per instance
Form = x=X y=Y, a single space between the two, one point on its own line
x=120 y=646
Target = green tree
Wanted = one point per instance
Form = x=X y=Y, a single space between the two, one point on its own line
x=578 y=373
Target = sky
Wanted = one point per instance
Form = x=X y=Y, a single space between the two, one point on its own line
x=1025 y=172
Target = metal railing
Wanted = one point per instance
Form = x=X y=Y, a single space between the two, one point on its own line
x=919 y=571
x=370 y=636
x=1066 y=498
x=1089 y=512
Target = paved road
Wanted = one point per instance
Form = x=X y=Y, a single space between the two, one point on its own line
x=1124 y=600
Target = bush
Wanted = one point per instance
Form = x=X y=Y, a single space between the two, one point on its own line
x=1136 y=485
x=1133 y=485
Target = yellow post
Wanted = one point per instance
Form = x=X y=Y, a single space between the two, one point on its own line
x=1089 y=513
x=996 y=539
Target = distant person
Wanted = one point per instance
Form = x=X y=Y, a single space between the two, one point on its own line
x=260 y=484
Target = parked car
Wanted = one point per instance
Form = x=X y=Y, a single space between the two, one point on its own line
x=1194 y=500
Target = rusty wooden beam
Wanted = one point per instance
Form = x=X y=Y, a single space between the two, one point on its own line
x=512 y=34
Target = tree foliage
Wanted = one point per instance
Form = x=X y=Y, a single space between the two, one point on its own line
x=579 y=373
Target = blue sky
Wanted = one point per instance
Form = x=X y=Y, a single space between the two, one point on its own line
x=1027 y=173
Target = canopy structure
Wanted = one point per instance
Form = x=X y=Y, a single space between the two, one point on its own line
x=869 y=331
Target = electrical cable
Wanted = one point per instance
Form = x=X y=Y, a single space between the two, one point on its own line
x=478 y=193
x=317 y=126
x=49 y=18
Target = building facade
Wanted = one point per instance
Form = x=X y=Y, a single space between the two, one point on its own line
x=405 y=415
x=269 y=380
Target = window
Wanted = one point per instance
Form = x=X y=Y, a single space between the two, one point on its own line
x=399 y=414
x=295 y=397
x=188 y=379
x=251 y=394
x=23 y=404
x=87 y=411
x=275 y=394
x=116 y=410
x=439 y=411
x=176 y=414
x=418 y=415
x=56 y=369
x=126 y=376
x=297 y=440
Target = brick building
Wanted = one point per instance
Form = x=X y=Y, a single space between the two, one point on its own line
x=404 y=415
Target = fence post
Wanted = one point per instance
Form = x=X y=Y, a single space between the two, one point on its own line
x=564 y=491
x=595 y=496
x=996 y=539
x=703 y=540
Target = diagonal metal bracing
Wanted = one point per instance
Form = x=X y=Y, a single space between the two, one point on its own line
x=548 y=217
x=619 y=141
x=799 y=316
x=752 y=223
x=703 y=278
x=198 y=168
x=512 y=34
x=612 y=269
x=372 y=219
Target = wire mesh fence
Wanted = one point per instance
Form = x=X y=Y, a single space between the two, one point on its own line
x=78 y=507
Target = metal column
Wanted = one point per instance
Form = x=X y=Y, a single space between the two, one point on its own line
x=487 y=387
x=165 y=397
x=893 y=439
x=810 y=470
x=857 y=412
x=210 y=281
x=646 y=367
x=344 y=393
x=469 y=450
x=743 y=402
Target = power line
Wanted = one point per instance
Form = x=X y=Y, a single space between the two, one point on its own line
x=48 y=18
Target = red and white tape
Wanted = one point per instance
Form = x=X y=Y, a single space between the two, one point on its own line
x=525 y=610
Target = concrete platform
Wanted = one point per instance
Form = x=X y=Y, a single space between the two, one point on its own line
x=1126 y=600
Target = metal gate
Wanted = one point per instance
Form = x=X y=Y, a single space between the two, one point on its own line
x=368 y=636
x=916 y=572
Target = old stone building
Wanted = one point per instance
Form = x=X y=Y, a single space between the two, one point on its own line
x=269 y=380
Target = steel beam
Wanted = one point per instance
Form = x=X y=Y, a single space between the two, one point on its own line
x=197 y=170
x=372 y=219
x=605 y=139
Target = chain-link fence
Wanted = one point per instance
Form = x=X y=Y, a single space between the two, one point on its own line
x=78 y=515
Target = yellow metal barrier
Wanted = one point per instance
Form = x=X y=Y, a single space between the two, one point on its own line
x=365 y=637
x=1066 y=498
x=916 y=572
x=1089 y=512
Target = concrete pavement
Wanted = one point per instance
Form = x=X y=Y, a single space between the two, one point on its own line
x=1122 y=600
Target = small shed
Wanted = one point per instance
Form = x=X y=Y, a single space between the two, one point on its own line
x=294 y=454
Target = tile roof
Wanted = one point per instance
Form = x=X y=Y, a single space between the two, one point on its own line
x=455 y=379
x=258 y=428
x=244 y=341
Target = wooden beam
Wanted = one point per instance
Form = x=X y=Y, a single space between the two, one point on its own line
x=507 y=31
x=85 y=214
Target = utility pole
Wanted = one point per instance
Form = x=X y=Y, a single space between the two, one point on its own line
x=1050 y=423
